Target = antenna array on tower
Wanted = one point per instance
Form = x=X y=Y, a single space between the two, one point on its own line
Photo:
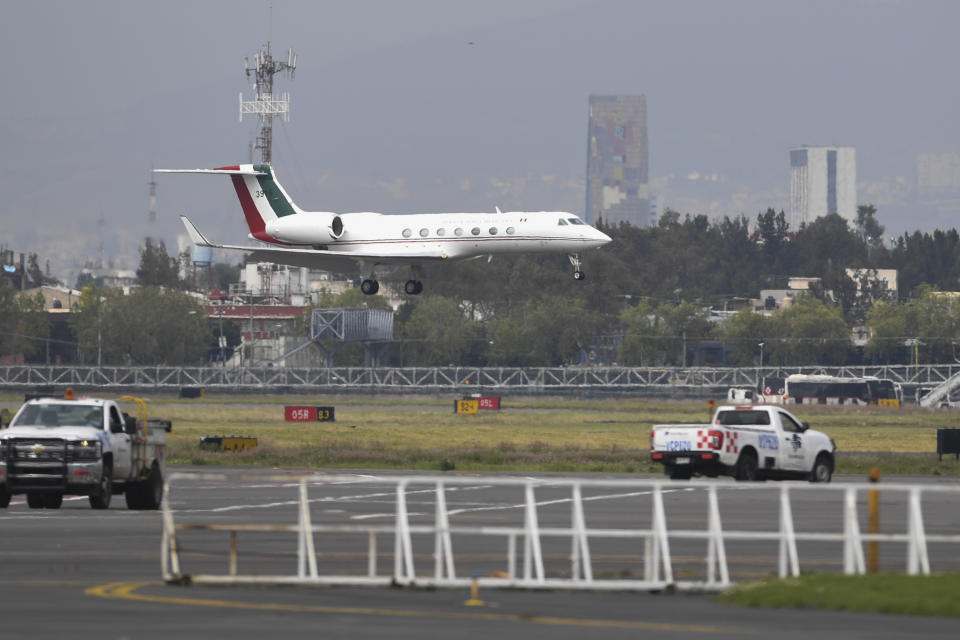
x=266 y=105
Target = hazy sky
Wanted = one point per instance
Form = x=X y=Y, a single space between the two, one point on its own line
x=393 y=108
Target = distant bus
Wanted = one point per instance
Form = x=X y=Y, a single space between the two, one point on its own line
x=817 y=389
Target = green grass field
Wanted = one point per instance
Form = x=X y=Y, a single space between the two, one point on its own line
x=608 y=434
x=934 y=595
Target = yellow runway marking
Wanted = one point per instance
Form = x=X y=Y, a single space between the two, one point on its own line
x=127 y=591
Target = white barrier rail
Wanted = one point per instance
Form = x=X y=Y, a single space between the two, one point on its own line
x=642 y=496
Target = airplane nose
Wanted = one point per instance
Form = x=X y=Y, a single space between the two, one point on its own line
x=601 y=237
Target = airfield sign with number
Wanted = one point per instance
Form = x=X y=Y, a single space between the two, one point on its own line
x=308 y=414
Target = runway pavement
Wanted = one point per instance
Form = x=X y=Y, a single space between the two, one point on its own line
x=96 y=574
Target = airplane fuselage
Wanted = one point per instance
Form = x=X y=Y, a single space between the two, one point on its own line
x=450 y=235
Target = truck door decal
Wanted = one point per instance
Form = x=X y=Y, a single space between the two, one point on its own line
x=796 y=441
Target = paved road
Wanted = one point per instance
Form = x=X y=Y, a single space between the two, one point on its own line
x=85 y=574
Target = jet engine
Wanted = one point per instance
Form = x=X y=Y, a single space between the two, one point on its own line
x=308 y=227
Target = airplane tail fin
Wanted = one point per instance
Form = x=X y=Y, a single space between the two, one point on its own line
x=261 y=196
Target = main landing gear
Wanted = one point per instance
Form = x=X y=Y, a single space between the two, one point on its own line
x=577 y=271
x=369 y=287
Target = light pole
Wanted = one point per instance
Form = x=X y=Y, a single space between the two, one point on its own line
x=760 y=370
x=220 y=339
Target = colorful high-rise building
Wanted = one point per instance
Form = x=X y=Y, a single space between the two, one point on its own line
x=617 y=161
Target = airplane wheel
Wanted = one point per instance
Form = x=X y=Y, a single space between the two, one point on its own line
x=410 y=287
x=369 y=287
x=578 y=275
x=419 y=288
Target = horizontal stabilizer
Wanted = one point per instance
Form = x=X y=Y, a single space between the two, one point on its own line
x=227 y=171
x=196 y=237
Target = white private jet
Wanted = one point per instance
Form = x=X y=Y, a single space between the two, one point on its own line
x=372 y=241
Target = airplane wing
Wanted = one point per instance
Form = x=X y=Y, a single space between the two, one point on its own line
x=315 y=258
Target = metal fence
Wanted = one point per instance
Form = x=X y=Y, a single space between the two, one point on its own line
x=554 y=513
x=460 y=379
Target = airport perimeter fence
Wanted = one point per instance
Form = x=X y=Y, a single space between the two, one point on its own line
x=526 y=533
x=667 y=380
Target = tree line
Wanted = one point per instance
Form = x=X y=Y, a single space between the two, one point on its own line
x=651 y=298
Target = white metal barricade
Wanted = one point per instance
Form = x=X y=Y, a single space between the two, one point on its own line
x=658 y=564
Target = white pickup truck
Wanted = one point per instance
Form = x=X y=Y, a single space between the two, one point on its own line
x=82 y=446
x=746 y=442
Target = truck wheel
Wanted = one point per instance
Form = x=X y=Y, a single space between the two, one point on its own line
x=101 y=499
x=747 y=467
x=4 y=498
x=147 y=494
x=53 y=501
x=822 y=469
x=134 y=495
x=153 y=489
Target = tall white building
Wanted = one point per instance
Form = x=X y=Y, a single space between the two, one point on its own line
x=823 y=180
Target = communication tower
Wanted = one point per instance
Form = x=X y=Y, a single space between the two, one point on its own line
x=266 y=105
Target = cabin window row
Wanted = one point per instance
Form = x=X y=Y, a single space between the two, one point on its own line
x=459 y=231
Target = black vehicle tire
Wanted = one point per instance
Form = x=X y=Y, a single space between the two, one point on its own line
x=53 y=500
x=134 y=495
x=747 y=469
x=147 y=494
x=822 y=469
x=101 y=498
x=4 y=498
x=153 y=489
x=36 y=500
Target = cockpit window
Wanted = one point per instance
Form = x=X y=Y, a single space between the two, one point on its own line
x=575 y=220
x=561 y=222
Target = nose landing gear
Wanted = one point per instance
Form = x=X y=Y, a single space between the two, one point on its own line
x=577 y=271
